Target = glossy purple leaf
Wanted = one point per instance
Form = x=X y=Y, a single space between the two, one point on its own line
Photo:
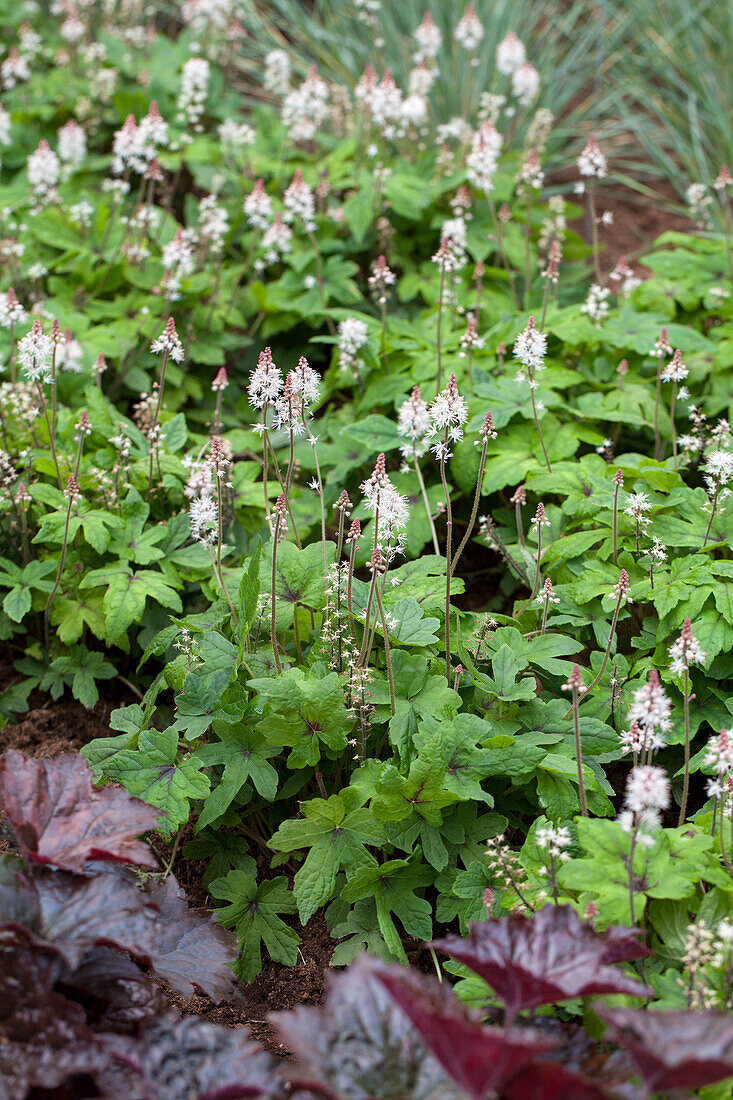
x=623 y=944
x=360 y=1045
x=44 y=1041
x=18 y=902
x=25 y=972
x=550 y=1081
x=548 y=957
x=73 y=914
x=479 y=1059
x=674 y=1050
x=118 y=995
x=191 y=949
x=60 y=818
x=189 y=1059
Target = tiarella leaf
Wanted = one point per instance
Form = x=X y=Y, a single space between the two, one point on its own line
x=335 y=832
x=245 y=756
x=254 y=912
x=157 y=772
x=393 y=885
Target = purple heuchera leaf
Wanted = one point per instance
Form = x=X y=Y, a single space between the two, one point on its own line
x=44 y=1040
x=550 y=1081
x=73 y=914
x=191 y=949
x=479 y=1059
x=623 y=944
x=360 y=1045
x=674 y=1050
x=482 y=1061
x=188 y=1058
x=60 y=818
x=25 y=972
x=118 y=994
x=548 y=957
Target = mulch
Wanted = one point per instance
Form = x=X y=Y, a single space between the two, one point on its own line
x=275 y=989
x=64 y=726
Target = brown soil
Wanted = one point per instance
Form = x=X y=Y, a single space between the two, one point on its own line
x=66 y=726
x=638 y=219
x=57 y=727
x=276 y=989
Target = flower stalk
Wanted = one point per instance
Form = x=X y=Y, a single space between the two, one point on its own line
x=72 y=494
x=448 y=560
x=530 y=348
x=377 y=566
x=618 y=481
x=169 y=346
x=574 y=684
x=539 y=521
x=219 y=463
x=448 y=415
x=620 y=592
x=486 y=433
x=684 y=652
x=281 y=510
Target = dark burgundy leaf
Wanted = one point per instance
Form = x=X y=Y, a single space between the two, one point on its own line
x=189 y=1059
x=190 y=948
x=60 y=818
x=548 y=957
x=550 y=1081
x=360 y=1045
x=116 y=993
x=73 y=914
x=674 y=1050
x=623 y=944
x=43 y=1042
x=18 y=902
x=25 y=973
x=580 y=1053
x=478 y=1058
